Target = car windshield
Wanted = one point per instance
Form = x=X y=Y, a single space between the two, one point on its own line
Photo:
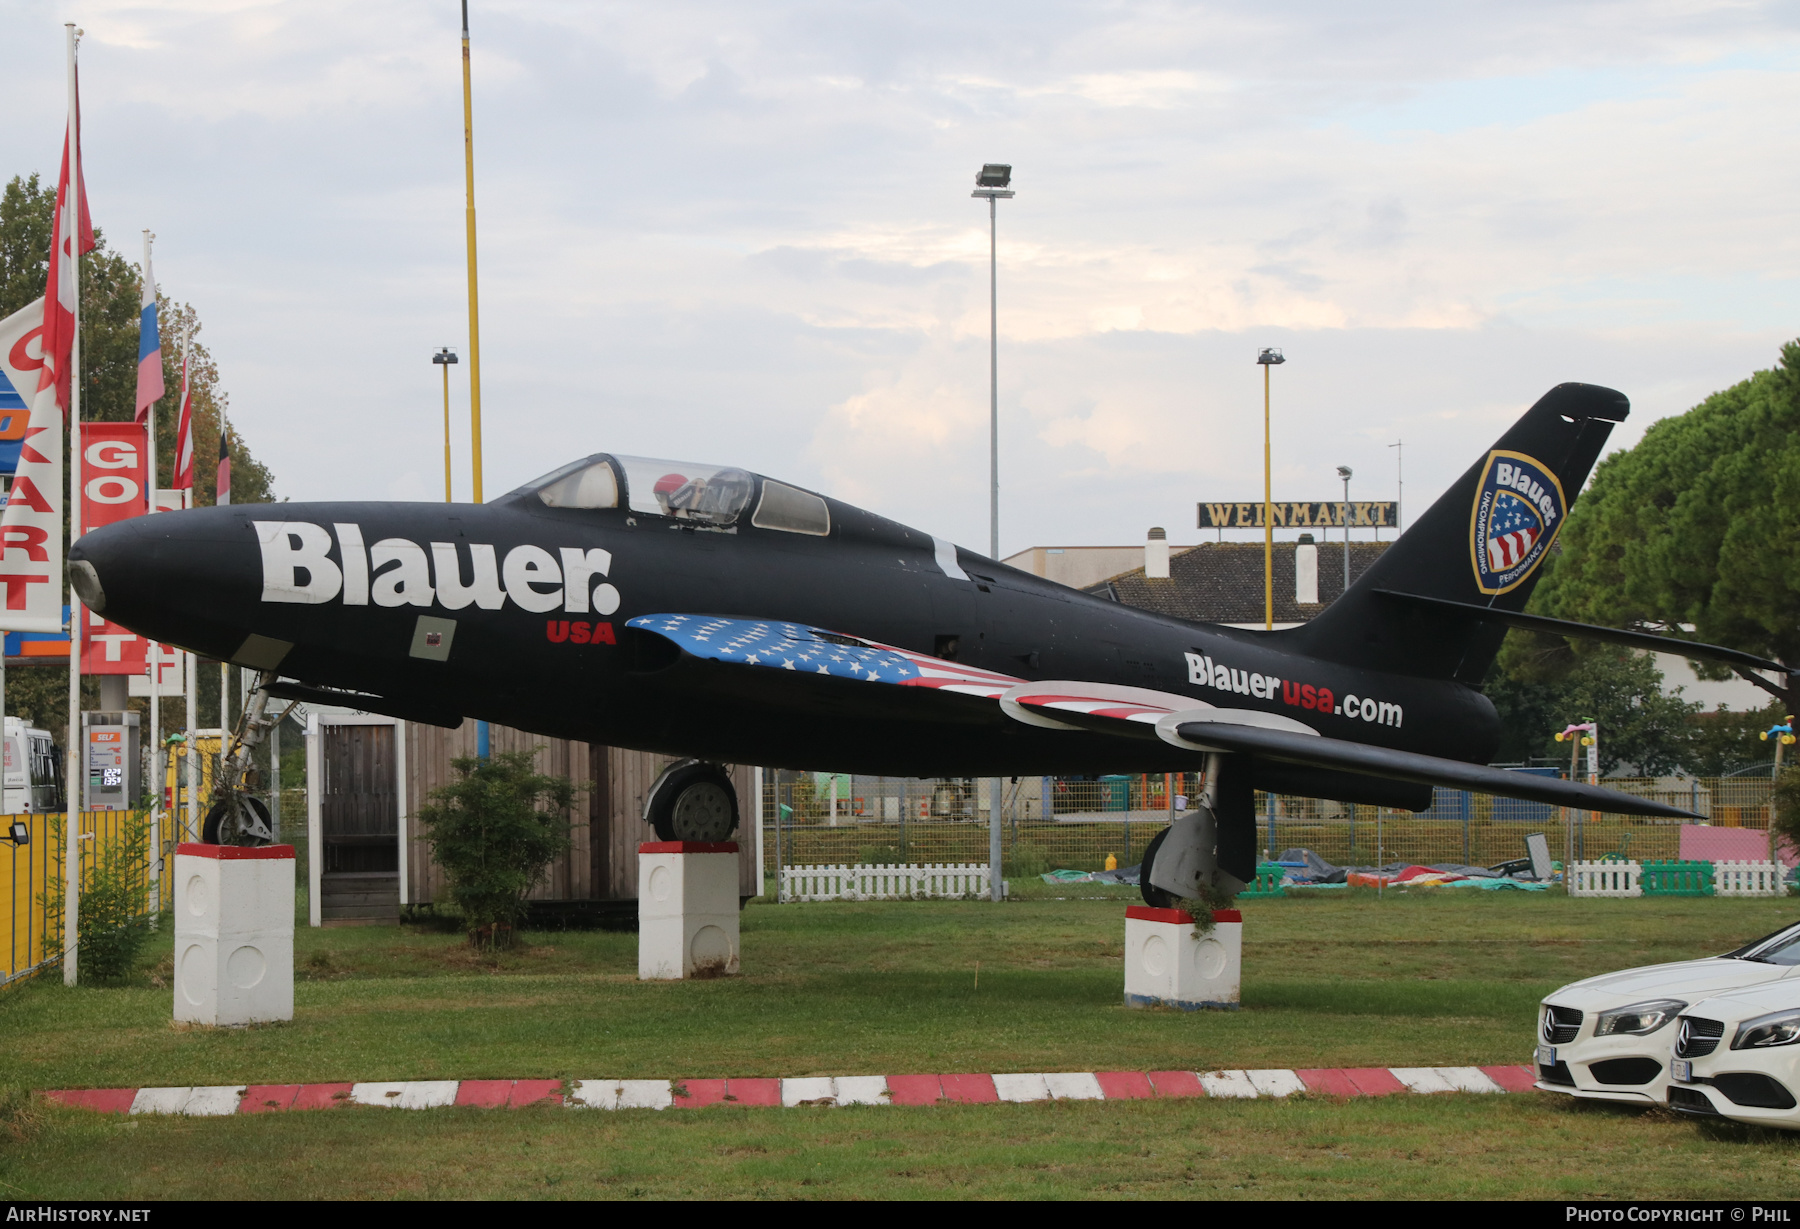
x=1782 y=947
x=713 y=494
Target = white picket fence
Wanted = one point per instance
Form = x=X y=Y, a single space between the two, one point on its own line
x=1621 y=879
x=1747 y=879
x=1603 y=879
x=936 y=881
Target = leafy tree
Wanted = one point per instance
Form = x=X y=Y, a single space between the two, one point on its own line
x=1725 y=742
x=1540 y=686
x=494 y=830
x=111 y=297
x=1694 y=527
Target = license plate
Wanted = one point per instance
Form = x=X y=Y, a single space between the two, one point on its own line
x=1681 y=1070
x=1546 y=1056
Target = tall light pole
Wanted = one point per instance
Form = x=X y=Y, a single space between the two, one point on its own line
x=1344 y=520
x=1268 y=358
x=445 y=358
x=1399 y=484
x=990 y=183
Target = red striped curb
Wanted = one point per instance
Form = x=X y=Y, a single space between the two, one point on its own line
x=965 y=1088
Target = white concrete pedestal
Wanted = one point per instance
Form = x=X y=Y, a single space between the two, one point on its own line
x=687 y=909
x=1166 y=966
x=234 y=933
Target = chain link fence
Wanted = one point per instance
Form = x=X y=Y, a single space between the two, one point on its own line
x=1053 y=823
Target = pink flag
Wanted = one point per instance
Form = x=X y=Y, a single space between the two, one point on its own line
x=59 y=300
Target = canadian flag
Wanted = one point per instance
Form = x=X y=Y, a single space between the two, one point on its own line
x=59 y=297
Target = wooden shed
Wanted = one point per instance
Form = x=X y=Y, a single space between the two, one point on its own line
x=597 y=876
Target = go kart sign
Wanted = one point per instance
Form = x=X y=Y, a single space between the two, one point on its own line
x=31 y=528
x=114 y=477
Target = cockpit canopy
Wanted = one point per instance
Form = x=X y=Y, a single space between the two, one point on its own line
x=714 y=495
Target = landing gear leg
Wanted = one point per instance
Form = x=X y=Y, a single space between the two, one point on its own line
x=1210 y=851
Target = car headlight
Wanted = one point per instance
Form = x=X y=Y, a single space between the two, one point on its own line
x=1637 y=1020
x=1778 y=1028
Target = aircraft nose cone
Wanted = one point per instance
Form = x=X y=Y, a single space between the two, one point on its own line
x=175 y=577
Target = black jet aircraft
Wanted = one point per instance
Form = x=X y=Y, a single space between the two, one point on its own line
x=725 y=617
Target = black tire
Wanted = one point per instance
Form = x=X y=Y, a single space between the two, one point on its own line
x=1156 y=898
x=213 y=828
x=692 y=801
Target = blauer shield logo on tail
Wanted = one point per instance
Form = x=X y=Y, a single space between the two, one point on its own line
x=1518 y=509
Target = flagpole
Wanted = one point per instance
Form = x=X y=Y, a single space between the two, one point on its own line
x=190 y=663
x=73 y=765
x=155 y=655
x=481 y=727
x=474 y=301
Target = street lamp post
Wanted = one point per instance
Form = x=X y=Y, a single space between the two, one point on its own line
x=1344 y=520
x=1268 y=358
x=991 y=184
x=445 y=358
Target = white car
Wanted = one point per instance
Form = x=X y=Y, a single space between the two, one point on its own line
x=1737 y=1055
x=1608 y=1037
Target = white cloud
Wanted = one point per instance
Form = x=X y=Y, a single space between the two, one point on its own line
x=745 y=231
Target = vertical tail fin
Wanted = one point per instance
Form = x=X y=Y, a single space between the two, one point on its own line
x=1482 y=542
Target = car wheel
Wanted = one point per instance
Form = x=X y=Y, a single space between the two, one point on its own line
x=692 y=801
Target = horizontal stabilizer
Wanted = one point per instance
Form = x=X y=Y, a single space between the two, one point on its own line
x=1588 y=631
x=1184 y=730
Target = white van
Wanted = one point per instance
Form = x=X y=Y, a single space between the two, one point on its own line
x=33 y=771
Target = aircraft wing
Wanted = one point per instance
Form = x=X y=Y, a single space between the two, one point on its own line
x=773 y=644
x=1269 y=736
x=1134 y=714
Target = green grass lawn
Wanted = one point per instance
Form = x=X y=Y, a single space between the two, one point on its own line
x=1350 y=979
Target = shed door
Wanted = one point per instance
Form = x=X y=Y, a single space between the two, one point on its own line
x=360 y=806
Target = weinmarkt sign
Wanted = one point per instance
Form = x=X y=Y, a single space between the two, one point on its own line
x=1324 y=513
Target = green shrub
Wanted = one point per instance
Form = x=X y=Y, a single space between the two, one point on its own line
x=494 y=830
x=113 y=921
x=879 y=855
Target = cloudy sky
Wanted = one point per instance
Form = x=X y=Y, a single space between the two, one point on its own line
x=743 y=233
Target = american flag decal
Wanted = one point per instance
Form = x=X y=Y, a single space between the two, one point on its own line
x=1518 y=509
x=776 y=645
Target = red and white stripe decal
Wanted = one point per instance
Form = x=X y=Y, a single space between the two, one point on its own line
x=219 y=1100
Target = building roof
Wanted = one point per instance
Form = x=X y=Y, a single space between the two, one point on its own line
x=1223 y=582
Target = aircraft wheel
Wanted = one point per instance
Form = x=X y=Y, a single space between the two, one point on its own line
x=1156 y=898
x=214 y=832
x=692 y=801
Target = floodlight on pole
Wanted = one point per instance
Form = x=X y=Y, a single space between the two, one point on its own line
x=1344 y=520
x=444 y=358
x=991 y=184
x=1268 y=357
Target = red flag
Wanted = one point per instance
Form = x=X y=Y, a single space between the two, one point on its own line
x=184 y=434
x=59 y=296
x=222 y=491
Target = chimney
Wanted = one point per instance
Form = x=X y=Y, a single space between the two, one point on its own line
x=1306 y=571
x=1156 y=555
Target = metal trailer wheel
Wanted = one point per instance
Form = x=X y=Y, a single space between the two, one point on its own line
x=215 y=830
x=692 y=801
x=1156 y=898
